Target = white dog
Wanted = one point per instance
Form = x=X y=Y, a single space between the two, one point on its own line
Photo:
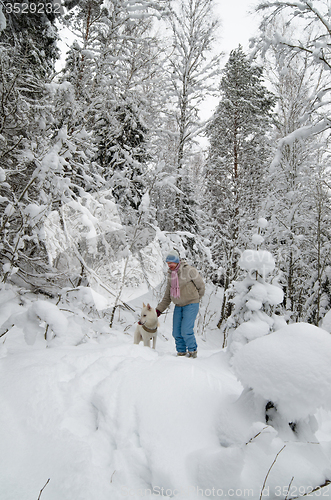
x=147 y=326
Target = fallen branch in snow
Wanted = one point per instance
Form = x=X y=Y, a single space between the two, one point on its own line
x=46 y=331
x=317 y=488
x=271 y=466
x=126 y=329
x=289 y=488
x=74 y=313
x=256 y=435
x=42 y=489
x=6 y=331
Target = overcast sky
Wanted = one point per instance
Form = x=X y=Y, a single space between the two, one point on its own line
x=237 y=25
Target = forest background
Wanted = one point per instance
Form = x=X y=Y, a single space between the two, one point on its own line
x=102 y=164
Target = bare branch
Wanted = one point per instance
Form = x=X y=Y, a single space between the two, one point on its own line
x=271 y=466
x=42 y=489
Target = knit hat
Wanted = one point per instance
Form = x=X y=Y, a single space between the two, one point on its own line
x=173 y=256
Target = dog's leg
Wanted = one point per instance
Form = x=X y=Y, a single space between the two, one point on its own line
x=137 y=337
x=146 y=341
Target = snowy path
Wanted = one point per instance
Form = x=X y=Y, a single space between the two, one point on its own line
x=107 y=421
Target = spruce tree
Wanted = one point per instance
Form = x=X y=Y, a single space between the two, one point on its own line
x=27 y=55
x=256 y=297
x=32 y=34
x=112 y=67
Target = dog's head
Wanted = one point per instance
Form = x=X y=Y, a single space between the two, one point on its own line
x=147 y=313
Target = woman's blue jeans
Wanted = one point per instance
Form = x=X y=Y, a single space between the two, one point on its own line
x=183 y=327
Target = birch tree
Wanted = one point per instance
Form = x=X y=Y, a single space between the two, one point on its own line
x=298 y=201
x=310 y=35
x=192 y=72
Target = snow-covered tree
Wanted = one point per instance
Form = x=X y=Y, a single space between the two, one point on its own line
x=317 y=300
x=27 y=55
x=310 y=35
x=32 y=34
x=236 y=165
x=297 y=201
x=112 y=66
x=192 y=71
x=255 y=297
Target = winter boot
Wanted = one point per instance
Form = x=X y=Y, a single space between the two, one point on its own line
x=192 y=354
x=181 y=353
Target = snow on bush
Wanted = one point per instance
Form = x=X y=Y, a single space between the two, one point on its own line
x=260 y=261
x=42 y=322
x=262 y=223
x=257 y=239
x=40 y=316
x=290 y=367
x=253 y=300
x=117 y=259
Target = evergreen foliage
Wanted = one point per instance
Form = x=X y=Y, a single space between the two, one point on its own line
x=236 y=166
x=256 y=297
x=32 y=36
x=28 y=52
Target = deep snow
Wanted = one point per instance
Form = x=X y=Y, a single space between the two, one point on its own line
x=107 y=420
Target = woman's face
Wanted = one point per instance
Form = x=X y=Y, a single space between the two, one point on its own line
x=172 y=265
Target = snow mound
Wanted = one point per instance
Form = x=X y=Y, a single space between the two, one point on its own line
x=290 y=367
x=120 y=420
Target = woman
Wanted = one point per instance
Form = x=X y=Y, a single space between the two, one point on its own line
x=185 y=288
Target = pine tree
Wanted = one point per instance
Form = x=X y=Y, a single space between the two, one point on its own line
x=238 y=155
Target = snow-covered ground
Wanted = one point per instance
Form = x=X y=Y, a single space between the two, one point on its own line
x=109 y=420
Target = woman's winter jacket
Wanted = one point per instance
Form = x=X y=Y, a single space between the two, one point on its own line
x=191 y=287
